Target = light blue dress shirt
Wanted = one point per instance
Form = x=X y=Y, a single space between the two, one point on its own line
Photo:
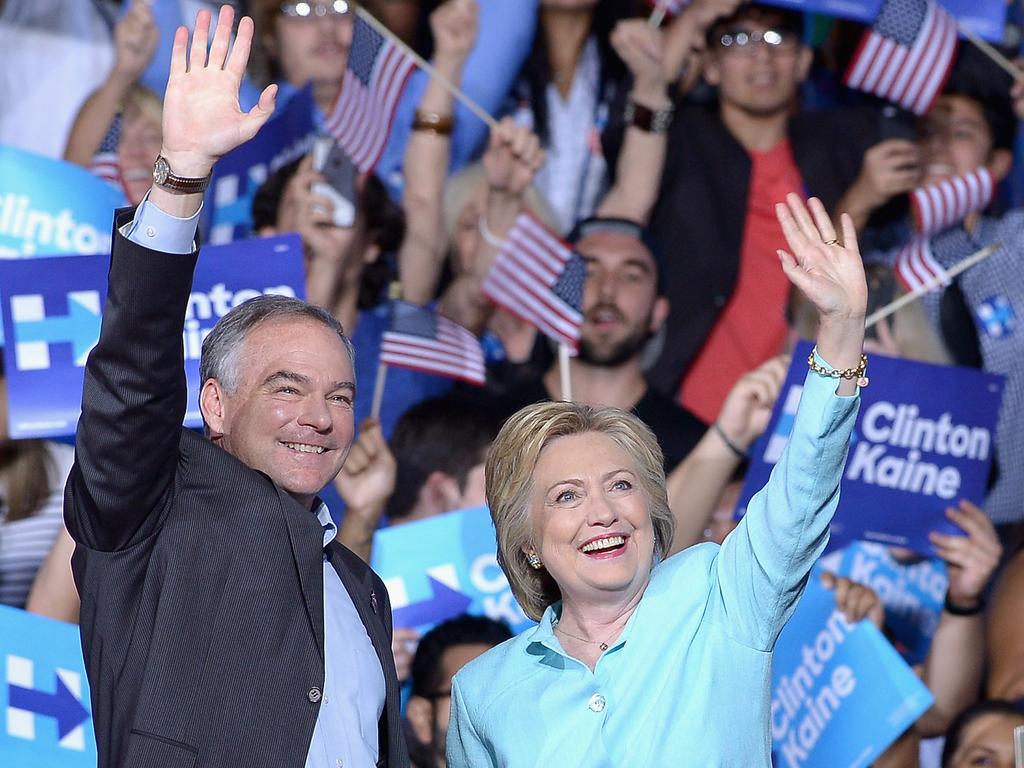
x=346 y=734
x=688 y=681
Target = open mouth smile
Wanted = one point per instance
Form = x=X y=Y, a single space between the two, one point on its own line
x=304 y=447
x=605 y=547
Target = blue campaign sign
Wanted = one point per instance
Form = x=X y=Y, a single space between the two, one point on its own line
x=45 y=694
x=840 y=693
x=51 y=208
x=985 y=18
x=443 y=566
x=51 y=318
x=287 y=136
x=913 y=591
x=922 y=441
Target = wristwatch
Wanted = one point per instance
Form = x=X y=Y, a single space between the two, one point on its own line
x=165 y=178
x=647 y=119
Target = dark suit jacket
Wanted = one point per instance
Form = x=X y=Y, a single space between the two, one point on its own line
x=702 y=207
x=201 y=581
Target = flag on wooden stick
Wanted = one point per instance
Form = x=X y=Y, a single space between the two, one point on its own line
x=917 y=269
x=538 y=278
x=375 y=77
x=907 y=54
x=422 y=340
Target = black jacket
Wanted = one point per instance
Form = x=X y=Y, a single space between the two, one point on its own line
x=702 y=206
x=201 y=582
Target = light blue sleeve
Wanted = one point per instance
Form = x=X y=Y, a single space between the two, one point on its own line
x=159 y=231
x=762 y=567
x=505 y=37
x=465 y=748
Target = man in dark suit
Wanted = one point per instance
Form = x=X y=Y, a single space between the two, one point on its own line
x=221 y=624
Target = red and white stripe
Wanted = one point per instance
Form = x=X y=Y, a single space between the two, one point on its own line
x=911 y=77
x=455 y=353
x=917 y=269
x=940 y=206
x=361 y=117
x=105 y=165
x=529 y=264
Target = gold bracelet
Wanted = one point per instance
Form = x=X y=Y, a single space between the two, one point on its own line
x=833 y=373
x=433 y=122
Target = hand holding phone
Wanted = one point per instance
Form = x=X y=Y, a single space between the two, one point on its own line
x=339 y=185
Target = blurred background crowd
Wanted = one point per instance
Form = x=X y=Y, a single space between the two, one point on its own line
x=658 y=154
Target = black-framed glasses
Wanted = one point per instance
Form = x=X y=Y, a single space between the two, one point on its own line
x=306 y=10
x=740 y=40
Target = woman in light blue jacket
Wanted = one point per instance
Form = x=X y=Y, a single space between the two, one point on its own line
x=639 y=661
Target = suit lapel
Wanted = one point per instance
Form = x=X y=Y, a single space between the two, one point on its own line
x=307 y=540
x=367 y=605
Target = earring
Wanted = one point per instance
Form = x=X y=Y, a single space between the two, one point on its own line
x=534 y=560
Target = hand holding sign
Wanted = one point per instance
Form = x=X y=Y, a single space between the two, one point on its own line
x=856 y=601
x=202 y=119
x=972 y=559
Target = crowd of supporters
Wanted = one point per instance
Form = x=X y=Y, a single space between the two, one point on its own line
x=658 y=154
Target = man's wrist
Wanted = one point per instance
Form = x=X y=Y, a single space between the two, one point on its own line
x=188 y=164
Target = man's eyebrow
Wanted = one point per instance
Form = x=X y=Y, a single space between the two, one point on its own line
x=292 y=376
x=349 y=385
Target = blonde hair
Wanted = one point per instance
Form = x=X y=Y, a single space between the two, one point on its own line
x=145 y=102
x=508 y=475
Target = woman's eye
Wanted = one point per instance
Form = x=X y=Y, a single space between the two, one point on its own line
x=622 y=485
x=565 y=497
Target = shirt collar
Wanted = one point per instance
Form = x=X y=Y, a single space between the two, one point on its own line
x=323 y=514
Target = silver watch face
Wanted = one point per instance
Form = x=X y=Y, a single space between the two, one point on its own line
x=161 y=170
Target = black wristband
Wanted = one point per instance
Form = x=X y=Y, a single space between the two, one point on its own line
x=958 y=610
x=740 y=454
x=647 y=119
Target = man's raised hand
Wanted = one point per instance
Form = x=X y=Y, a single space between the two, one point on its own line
x=202 y=118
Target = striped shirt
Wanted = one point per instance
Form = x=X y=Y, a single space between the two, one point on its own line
x=25 y=543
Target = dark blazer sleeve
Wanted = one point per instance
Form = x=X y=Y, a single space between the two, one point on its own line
x=133 y=399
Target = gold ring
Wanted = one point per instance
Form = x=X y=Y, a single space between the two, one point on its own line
x=833 y=241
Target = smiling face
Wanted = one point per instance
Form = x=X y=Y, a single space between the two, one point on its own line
x=290 y=415
x=955 y=137
x=591 y=521
x=758 y=79
x=621 y=306
x=137 y=150
x=311 y=49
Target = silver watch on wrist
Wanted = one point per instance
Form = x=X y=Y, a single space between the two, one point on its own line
x=165 y=178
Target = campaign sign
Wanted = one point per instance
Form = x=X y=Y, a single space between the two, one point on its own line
x=51 y=319
x=51 y=208
x=287 y=136
x=986 y=18
x=444 y=566
x=913 y=592
x=840 y=693
x=44 y=694
x=923 y=440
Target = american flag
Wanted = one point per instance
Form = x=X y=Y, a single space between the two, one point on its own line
x=539 y=279
x=916 y=267
x=374 y=79
x=422 y=340
x=940 y=206
x=105 y=163
x=906 y=56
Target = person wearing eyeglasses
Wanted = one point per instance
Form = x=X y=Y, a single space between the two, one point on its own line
x=727 y=163
x=304 y=42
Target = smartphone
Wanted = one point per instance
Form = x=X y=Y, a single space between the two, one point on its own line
x=896 y=123
x=881 y=291
x=339 y=185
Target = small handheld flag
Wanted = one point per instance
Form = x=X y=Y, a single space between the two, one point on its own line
x=940 y=206
x=907 y=54
x=422 y=340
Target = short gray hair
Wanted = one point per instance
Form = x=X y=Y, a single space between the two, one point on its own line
x=220 y=349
